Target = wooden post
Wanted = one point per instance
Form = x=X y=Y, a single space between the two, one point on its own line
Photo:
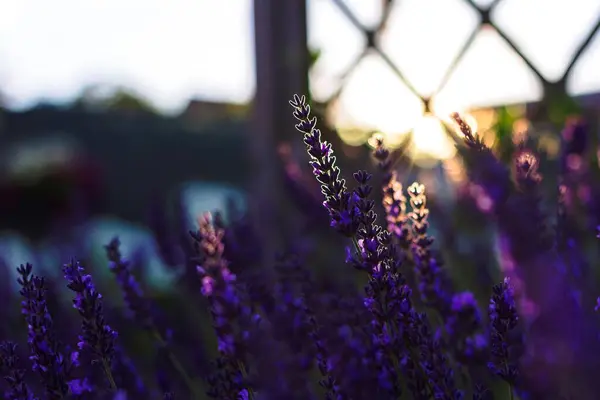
x=281 y=71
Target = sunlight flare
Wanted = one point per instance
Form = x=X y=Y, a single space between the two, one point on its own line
x=430 y=139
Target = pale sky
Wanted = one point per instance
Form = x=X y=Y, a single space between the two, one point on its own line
x=173 y=50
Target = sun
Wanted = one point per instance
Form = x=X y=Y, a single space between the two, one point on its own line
x=375 y=101
x=430 y=139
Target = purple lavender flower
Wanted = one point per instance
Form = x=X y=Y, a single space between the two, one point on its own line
x=138 y=304
x=338 y=201
x=126 y=375
x=13 y=375
x=327 y=381
x=464 y=329
x=433 y=283
x=120 y=395
x=96 y=336
x=503 y=319
x=362 y=365
x=483 y=166
x=47 y=359
x=218 y=285
x=394 y=201
x=527 y=169
x=132 y=292
x=574 y=144
x=80 y=386
x=435 y=363
x=291 y=327
x=400 y=331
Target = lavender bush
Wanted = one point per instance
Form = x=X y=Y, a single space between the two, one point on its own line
x=408 y=330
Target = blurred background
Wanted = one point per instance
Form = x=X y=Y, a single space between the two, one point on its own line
x=117 y=115
x=131 y=118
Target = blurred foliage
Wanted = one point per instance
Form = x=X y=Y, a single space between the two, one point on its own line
x=560 y=107
x=111 y=98
x=313 y=57
x=503 y=126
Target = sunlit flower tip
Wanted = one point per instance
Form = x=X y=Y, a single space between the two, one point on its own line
x=207 y=285
x=463 y=126
x=376 y=140
x=419 y=215
x=526 y=163
x=416 y=189
x=204 y=219
x=418 y=201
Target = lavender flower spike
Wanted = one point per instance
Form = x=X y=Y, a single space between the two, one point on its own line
x=13 y=376
x=135 y=300
x=343 y=215
x=96 y=336
x=218 y=285
x=138 y=304
x=46 y=357
x=503 y=320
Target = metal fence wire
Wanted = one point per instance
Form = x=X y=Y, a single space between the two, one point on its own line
x=282 y=64
x=551 y=89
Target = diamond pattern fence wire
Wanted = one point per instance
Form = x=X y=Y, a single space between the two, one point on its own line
x=551 y=89
x=282 y=64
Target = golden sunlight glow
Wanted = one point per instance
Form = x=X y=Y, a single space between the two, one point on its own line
x=391 y=140
x=485 y=118
x=430 y=140
x=353 y=136
x=468 y=118
x=375 y=138
x=521 y=128
x=455 y=170
x=375 y=99
x=550 y=144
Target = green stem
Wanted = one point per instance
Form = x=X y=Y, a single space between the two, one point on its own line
x=242 y=368
x=177 y=364
x=108 y=373
x=421 y=370
x=355 y=243
x=511 y=394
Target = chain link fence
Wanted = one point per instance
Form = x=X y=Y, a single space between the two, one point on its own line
x=551 y=89
x=282 y=63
